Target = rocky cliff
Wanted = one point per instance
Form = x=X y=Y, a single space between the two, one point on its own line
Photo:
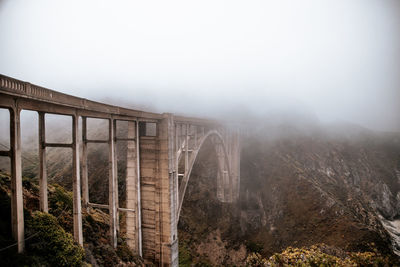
x=300 y=186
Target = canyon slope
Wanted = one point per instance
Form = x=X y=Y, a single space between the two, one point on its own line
x=302 y=183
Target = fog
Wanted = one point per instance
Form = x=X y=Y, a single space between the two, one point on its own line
x=335 y=60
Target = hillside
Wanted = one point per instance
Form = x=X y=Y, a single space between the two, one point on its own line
x=299 y=187
x=302 y=184
x=49 y=239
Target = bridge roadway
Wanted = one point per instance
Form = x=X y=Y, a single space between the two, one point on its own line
x=161 y=151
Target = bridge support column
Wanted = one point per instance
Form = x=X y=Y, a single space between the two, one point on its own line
x=76 y=181
x=116 y=176
x=133 y=221
x=42 y=164
x=173 y=189
x=235 y=164
x=85 y=182
x=17 y=204
x=168 y=207
x=222 y=174
x=112 y=184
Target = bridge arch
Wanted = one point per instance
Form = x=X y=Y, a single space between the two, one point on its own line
x=223 y=163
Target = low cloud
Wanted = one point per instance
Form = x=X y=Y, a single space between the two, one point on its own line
x=337 y=60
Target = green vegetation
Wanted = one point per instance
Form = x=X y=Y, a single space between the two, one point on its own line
x=49 y=240
x=316 y=256
x=255 y=259
x=61 y=199
x=52 y=245
x=61 y=206
x=125 y=253
x=185 y=258
x=370 y=259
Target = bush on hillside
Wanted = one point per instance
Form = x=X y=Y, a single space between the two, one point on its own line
x=254 y=259
x=52 y=244
x=314 y=256
x=61 y=199
x=61 y=206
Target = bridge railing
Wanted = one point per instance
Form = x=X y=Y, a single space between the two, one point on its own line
x=25 y=90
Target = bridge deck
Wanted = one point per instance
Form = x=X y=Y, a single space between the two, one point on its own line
x=47 y=100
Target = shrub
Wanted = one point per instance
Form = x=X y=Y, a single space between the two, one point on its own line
x=314 y=256
x=52 y=244
x=61 y=199
x=125 y=253
x=61 y=206
x=306 y=257
x=369 y=259
x=185 y=258
x=255 y=260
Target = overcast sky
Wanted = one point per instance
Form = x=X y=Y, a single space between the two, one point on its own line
x=337 y=59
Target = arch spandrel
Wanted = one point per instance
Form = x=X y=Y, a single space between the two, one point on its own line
x=186 y=155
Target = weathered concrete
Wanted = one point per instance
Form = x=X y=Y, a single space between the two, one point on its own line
x=17 y=206
x=132 y=189
x=42 y=164
x=76 y=182
x=84 y=168
x=159 y=163
x=112 y=183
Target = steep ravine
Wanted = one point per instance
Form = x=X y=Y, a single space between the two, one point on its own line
x=297 y=189
x=339 y=186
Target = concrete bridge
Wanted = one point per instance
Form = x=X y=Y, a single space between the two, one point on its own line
x=161 y=152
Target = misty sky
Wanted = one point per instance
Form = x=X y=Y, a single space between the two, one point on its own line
x=339 y=60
